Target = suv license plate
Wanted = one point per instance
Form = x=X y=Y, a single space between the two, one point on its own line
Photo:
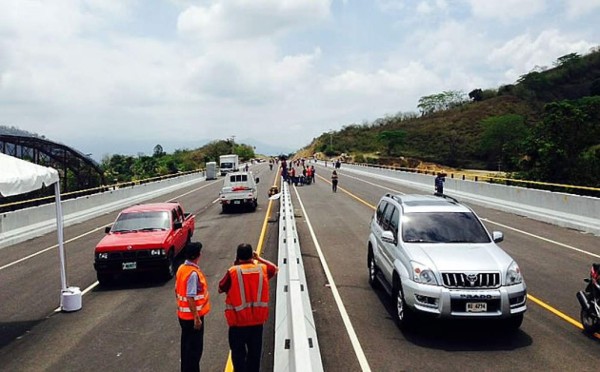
x=129 y=265
x=236 y=202
x=476 y=307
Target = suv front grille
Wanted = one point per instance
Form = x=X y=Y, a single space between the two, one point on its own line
x=471 y=280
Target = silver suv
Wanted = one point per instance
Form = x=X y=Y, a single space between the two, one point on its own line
x=433 y=255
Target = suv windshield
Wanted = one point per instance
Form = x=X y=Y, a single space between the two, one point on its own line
x=443 y=227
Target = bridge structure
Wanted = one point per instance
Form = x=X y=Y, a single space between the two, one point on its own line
x=77 y=171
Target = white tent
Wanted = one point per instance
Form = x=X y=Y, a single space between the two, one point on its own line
x=18 y=177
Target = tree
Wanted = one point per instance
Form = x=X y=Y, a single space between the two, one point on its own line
x=158 y=151
x=245 y=152
x=441 y=101
x=503 y=140
x=563 y=139
x=567 y=59
x=476 y=95
x=392 y=140
x=595 y=88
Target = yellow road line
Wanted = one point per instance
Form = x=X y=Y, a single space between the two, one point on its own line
x=350 y=194
x=259 y=246
x=555 y=311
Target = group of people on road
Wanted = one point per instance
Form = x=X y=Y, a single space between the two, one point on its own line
x=246 y=284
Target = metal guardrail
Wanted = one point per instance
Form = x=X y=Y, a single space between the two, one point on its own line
x=296 y=345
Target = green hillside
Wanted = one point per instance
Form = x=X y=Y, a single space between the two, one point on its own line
x=545 y=127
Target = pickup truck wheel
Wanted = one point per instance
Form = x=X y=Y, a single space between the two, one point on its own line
x=224 y=208
x=170 y=268
x=405 y=318
x=254 y=205
x=373 y=270
x=104 y=279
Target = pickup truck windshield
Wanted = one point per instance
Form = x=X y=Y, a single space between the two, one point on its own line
x=135 y=221
x=443 y=227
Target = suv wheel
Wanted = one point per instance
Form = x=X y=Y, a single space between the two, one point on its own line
x=404 y=316
x=514 y=322
x=373 y=270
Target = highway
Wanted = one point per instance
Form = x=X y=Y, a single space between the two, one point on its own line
x=132 y=326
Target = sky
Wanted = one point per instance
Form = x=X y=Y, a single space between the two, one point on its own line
x=121 y=76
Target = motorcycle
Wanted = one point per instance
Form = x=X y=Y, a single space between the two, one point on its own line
x=589 y=299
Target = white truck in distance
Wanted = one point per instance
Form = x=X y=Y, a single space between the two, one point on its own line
x=239 y=189
x=229 y=163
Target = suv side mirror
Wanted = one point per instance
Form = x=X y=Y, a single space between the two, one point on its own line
x=107 y=229
x=388 y=237
x=498 y=236
x=177 y=225
x=257 y=179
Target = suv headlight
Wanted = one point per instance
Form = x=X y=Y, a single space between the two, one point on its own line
x=513 y=274
x=103 y=256
x=422 y=274
x=157 y=252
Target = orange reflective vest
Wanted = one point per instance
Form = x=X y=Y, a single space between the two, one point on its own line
x=247 y=300
x=201 y=299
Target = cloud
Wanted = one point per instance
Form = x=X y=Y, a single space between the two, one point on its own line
x=578 y=8
x=522 y=53
x=506 y=9
x=250 y=19
x=432 y=6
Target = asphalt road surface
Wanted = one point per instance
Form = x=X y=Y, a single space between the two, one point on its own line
x=133 y=326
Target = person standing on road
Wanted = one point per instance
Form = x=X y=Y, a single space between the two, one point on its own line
x=334 y=181
x=247 y=306
x=193 y=304
x=439 y=183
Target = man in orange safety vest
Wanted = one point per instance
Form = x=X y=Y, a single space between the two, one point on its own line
x=193 y=304
x=247 y=306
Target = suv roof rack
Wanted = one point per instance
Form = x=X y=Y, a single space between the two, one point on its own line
x=446 y=197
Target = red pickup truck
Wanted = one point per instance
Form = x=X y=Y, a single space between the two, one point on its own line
x=145 y=237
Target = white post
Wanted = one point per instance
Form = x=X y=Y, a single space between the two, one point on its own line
x=70 y=297
x=59 y=231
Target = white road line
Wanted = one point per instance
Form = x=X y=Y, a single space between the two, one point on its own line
x=87 y=233
x=544 y=239
x=499 y=224
x=362 y=359
x=49 y=248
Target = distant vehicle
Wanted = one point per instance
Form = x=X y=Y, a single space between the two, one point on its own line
x=211 y=170
x=146 y=237
x=434 y=256
x=239 y=189
x=229 y=163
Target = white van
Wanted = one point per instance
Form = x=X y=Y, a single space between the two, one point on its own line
x=211 y=170
x=239 y=189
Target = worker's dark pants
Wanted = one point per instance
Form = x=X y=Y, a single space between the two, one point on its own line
x=246 y=347
x=192 y=344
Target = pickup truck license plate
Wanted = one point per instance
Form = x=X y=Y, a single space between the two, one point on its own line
x=476 y=307
x=129 y=265
x=236 y=202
